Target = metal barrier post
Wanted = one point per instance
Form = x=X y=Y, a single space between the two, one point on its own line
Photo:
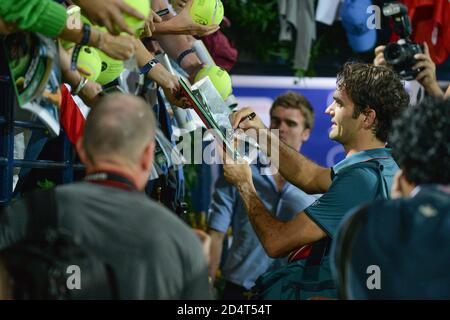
x=7 y=101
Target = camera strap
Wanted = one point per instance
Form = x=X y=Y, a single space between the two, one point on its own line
x=112 y=180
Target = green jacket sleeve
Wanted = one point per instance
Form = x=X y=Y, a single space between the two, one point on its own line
x=43 y=16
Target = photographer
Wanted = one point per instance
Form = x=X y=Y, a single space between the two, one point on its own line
x=426 y=77
x=410 y=59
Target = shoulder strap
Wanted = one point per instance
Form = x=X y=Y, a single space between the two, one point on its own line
x=383 y=189
x=318 y=251
x=43 y=212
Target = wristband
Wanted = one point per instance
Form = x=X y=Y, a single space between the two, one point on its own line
x=148 y=66
x=84 y=41
x=163 y=12
x=183 y=55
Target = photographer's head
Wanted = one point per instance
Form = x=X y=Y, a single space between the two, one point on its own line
x=366 y=101
x=119 y=135
x=421 y=145
x=292 y=114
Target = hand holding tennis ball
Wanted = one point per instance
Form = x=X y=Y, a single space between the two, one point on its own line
x=192 y=20
x=143 y=7
x=89 y=60
x=115 y=14
x=207 y=12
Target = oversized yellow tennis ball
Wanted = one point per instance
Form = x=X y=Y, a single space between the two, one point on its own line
x=110 y=70
x=143 y=6
x=219 y=78
x=89 y=60
x=207 y=12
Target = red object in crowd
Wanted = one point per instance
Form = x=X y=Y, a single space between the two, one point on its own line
x=221 y=49
x=71 y=117
x=300 y=254
x=430 y=20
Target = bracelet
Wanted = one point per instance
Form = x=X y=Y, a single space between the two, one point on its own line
x=84 y=41
x=184 y=54
x=148 y=66
x=80 y=86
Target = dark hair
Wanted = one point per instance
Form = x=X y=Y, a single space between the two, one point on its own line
x=295 y=100
x=375 y=87
x=421 y=142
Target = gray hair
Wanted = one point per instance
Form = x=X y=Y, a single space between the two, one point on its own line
x=119 y=126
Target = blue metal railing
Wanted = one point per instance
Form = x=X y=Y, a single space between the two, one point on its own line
x=7 y=125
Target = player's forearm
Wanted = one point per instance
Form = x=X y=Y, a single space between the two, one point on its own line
x=268 y=229
x=295 y=167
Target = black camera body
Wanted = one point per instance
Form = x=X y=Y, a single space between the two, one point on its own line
x=400 y=55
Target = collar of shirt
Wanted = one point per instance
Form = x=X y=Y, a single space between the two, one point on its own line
x=362 y=156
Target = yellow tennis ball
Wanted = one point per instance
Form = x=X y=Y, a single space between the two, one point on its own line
x=89 y=60
x=218 y=17
x=143 y=6
x=207 y=12
x=110 y=70
x=219 y=78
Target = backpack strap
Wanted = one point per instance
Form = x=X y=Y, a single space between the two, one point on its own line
x=383 y=189
x=318 y=251
x=344 y=246
x=43 y=212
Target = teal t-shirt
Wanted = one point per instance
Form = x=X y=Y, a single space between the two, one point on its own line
x=352 y=185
